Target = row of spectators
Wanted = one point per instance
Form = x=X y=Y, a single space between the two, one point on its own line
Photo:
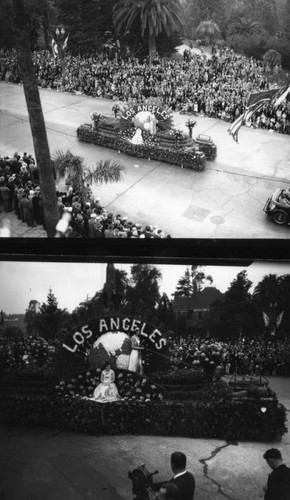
x=244 y=357
x=216 y=86
x=86 y=217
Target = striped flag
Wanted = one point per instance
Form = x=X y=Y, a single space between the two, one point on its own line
x=255 y=102
x=54 y=47
x=65 y=43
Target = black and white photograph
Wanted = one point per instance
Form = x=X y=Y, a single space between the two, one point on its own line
x=150 y=119
x=157 y=369
x=144 y=381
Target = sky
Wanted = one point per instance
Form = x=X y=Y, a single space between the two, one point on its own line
x=71 y=283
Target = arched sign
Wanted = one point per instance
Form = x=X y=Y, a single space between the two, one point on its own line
x=108 y=338
x=160 y=113
x=115 y=324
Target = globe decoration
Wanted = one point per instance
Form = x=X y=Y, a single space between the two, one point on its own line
x=112 y=347
x=145 y=120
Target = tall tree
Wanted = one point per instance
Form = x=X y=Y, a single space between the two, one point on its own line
x=143 y=292
x=242 y=26
x=209 y=31
x=31 y=319
x=193 y=281
x=165 y=313
x=20 y=15
x=156 y=16
x=184 y=287
x=235 y=310
x=51 y=318
x=199 y=279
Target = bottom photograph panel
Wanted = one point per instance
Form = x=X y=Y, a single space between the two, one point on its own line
x=144 y=381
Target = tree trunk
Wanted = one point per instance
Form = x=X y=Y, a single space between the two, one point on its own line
x=45 y=33
x=152 y=46
x=36 y=119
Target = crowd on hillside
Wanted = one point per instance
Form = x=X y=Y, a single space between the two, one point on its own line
x=87 y=218
x=245 y=357
x=217 y=86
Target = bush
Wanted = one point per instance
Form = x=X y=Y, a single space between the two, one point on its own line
x=191 y=160
x=185 y=376
x=226 y=419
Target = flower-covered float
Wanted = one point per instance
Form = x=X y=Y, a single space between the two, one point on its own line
x=146 y=131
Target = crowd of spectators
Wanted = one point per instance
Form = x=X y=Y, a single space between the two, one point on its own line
x=87 y=218
x=217 y=86
x=243 y=357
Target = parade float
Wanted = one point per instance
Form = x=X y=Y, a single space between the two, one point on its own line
x=146 y=131
x=52 y=385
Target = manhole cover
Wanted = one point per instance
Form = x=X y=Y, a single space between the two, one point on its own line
x=217 y=219
x=196 y=213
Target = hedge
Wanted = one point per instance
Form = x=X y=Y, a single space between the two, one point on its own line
x=227 y=419
x=191 y=160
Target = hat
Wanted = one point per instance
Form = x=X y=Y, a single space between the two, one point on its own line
x=93 y=215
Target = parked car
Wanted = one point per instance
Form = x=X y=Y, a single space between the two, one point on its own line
x=278 y=206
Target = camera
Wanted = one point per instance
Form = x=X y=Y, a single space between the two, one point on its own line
x=142 y=483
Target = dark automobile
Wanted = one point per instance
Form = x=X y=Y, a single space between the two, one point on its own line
x=278 y=206
x=206 y=145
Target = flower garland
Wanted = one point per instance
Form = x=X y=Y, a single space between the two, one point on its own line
x=210 y=356
x=131 y=386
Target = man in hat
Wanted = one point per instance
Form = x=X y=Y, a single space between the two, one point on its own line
x=278 y=485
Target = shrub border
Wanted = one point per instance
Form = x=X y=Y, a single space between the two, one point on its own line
x=226 y=418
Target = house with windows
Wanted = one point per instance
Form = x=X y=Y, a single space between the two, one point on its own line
x=194 y=312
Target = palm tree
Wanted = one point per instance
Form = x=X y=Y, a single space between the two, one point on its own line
x=272 y=58
x=243 y=27
x=156 y=16
x=72 y=167
x=209 y=31
x=20 y=19
x=268 y=291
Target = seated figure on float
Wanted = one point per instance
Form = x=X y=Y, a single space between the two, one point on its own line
x=106 y=391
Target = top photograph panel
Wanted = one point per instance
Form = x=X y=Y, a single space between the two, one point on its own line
x=145 y=120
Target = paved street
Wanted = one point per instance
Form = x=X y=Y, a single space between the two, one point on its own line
x=44 y=463
x=224 y=201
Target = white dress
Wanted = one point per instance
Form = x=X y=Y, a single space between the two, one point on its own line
x=137 y=139
x=106 y=391
x=135 y=361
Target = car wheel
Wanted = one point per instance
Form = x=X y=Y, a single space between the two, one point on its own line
x=280 y=217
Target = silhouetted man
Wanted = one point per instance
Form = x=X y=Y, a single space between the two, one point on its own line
x=278 y=485
x=183 y=479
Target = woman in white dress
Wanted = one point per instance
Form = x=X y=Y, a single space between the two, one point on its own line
x=106 y=391
x=135 y=360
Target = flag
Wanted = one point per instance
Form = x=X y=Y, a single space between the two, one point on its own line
x=279 y=319
x=255 y=102
x=54 y=48
x=65 y=43
x=282 y=96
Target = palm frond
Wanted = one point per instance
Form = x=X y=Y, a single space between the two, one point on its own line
x=67 y=163
x=106 y=171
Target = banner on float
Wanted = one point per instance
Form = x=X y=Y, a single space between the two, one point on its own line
x=114 y=324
